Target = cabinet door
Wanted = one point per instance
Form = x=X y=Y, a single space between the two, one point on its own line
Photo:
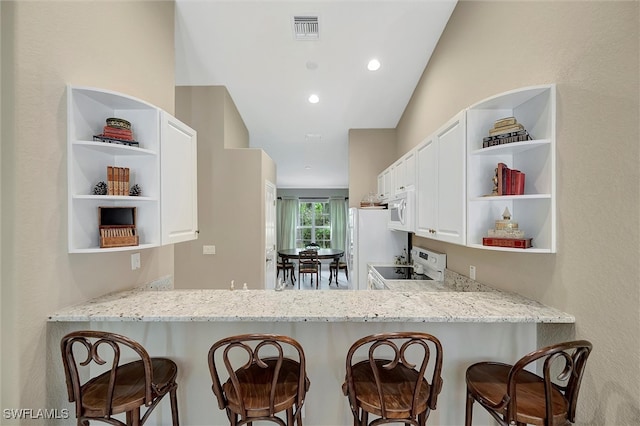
x=387 y=183
x=404 y=173
x=410 y=170
x=178 y=170
x=426 y=188
x=451 y=210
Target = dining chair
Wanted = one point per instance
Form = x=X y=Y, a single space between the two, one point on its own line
x=309 y=264
x=287 y=267
x=386 y=382
x=265 y=375
x=336 y=266
x=515 y=396
x=124 y=387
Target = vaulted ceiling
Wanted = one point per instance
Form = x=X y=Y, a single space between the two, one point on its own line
x=251 y=48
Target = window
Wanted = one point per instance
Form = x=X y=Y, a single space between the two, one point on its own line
x=314 y=224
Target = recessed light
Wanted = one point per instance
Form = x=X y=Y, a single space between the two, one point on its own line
x=307 y=167
x=314 y=99
x=373 y=65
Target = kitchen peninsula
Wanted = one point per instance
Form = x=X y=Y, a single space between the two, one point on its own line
x=473 y=324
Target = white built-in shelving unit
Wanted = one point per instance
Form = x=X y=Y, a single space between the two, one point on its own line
x=87 y=162
x=535 y=211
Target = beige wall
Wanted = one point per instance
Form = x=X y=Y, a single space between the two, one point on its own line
x=370 y=152
x=45 y=46
x=591 y=50
x=230 y=194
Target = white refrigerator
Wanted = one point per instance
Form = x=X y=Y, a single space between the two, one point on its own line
x=369 y=240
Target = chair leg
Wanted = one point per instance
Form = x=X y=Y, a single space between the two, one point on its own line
x=174 y=406
x=469 y=410
x=133 y=417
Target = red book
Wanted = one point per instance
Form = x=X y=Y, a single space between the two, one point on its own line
x=514 y=178
x=522 y=243
x=507 y=181
x=519 y=183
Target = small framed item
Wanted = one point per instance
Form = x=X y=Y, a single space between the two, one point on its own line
x=117 y=227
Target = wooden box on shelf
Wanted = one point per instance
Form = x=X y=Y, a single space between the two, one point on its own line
x=117 y=227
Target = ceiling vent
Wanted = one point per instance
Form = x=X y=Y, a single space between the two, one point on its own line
x=305 y=28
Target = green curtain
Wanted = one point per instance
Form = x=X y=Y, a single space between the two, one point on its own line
x=338 y=212
x=287 y=217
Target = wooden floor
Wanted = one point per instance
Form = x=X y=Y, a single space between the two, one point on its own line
x=343 y=283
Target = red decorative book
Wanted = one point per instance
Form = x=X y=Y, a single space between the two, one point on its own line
x=522 y=243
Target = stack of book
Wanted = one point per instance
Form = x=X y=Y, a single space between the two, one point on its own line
x=505 y=130
x=117 y=180
x=510 y=181
x=117 y=133
x=117 y=130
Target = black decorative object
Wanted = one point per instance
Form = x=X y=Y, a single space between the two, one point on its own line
x=100 y=188
x=135 y=190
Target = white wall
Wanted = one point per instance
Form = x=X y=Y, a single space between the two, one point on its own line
x=591 y=50
x=121 y=46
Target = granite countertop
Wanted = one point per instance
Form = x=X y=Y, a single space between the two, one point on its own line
x=312 y=306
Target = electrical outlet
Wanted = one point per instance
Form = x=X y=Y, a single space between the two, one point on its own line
x=135 y=261
x=472 y=272
x=208 y=249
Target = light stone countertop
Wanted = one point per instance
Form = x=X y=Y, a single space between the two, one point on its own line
x=312 y=306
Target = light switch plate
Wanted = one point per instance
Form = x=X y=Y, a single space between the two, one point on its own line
x=208 y=249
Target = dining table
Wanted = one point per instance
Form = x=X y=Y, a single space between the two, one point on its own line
x=323 y=253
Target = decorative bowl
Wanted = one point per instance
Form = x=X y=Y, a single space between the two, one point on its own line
x=120 y=123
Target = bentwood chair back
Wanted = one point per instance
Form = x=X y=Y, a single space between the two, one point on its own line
x=124 y=387
x=309 y=264
x=398 y=380
x=515 y=396
x=263 y=374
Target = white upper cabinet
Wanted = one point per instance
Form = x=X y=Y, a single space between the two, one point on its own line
x=441 y=194
x=179 y=178
x=87 y=161
x=404 y=173
x=385 y=184
x=535 y=210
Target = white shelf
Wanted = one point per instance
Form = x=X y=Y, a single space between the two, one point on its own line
x=535 y=211
x=513 y=250
x=512 y=148
x=114 y=198
x=113 y=249
x=113 y=148
x=511 y=197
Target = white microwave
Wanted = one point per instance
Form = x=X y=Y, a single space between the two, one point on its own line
x=402 y=211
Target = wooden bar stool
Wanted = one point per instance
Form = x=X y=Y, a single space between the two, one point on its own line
x=387 y=384
x=124 y=387
x=266 y=375
x=515 y=396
